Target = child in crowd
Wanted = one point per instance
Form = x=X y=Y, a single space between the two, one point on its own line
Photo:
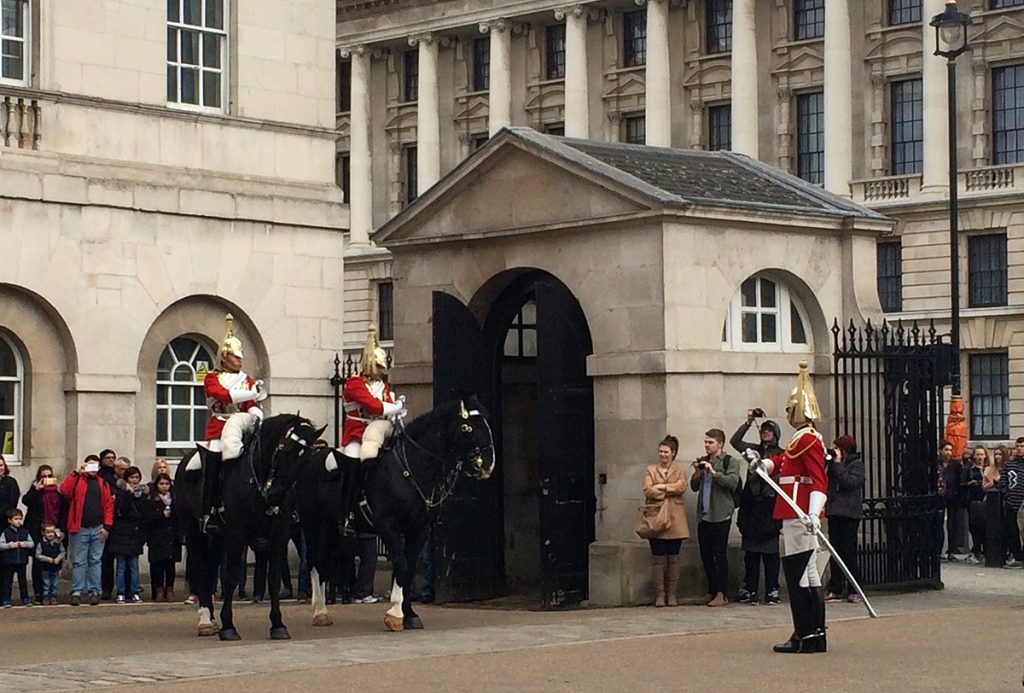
x=49 y=556
x=162 y=538
x=15 y=547
x=128 y=534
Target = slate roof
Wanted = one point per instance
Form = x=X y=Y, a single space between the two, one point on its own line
x=689 y=176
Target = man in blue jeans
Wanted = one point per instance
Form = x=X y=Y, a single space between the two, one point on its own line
x=90 y=517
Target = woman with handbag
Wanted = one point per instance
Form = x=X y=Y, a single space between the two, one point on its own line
x=663 y=522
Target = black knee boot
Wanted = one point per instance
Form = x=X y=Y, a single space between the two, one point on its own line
x=350 y=488
x=211 y=522
x=802 y=604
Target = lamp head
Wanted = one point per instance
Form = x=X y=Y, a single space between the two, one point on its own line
x=951 y=31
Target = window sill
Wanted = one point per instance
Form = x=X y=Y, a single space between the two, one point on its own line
x=191 y=108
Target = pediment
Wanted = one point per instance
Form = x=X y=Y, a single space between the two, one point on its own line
x=545 y=96
x=1006 y=28
x=508 y=191
x=709 y=72
x=473 y=107
x=628 y=84
x=894 y=44
x=800 y=59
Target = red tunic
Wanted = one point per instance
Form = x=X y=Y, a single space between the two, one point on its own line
x=218 y=386
x=364 y=402
x=801 y=469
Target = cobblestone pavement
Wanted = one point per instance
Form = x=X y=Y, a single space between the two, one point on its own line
x=77 y=636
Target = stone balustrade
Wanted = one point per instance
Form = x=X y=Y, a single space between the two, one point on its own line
x=20 y=121
x=991 y=179
x=888 y=189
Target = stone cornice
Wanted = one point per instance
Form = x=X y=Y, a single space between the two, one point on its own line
x=465 y=20
x=167 y=112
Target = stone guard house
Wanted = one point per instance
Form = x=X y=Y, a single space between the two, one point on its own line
x=598 y=296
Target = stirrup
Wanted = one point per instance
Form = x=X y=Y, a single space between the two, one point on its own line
x=211 y=523
x=347 y=527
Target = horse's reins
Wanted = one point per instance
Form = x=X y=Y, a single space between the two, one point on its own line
x=448 y=486
x=264 y=488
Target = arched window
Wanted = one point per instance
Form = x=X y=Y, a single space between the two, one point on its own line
x=181 y=412
x=765 y=316
x=12 y=387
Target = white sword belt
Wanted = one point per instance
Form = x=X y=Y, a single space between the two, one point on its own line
x=794 y=480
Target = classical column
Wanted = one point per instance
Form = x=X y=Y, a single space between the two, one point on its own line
x=577 y=98
x=360 y=163
x=744 y=79
x=658 y=92
x=428 y=122
x=499 y=95
x=838 y=95
x=935 y=172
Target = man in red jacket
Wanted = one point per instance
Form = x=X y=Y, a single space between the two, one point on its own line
x=229 y=391
x=90 y=517
x=369 y=407
x=801 y=469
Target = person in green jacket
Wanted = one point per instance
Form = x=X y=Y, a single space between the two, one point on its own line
x=716 y=478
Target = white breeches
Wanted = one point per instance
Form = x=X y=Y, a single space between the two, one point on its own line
x=373 y=437
x=796 y=538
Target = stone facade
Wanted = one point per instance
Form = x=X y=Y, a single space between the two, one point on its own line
x=132 y=220
x=611 y=96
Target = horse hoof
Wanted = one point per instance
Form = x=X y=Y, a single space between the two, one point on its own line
x=229 y=634
x=413 y=623
x=323 y=620
x=279 y=634
x=395 y=624
x=207 y=629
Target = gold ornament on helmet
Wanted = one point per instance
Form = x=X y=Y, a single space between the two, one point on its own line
x=231 y=344
x=802 y=405
x=375 y=360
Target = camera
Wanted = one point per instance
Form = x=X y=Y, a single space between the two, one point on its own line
x=757 y=412
x=49 y=481
x=92 y=467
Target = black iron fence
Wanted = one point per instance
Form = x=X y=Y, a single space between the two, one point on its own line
x=888 y=384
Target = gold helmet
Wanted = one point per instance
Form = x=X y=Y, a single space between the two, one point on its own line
x=231 y=344
x=374 y=360
x=802 y=405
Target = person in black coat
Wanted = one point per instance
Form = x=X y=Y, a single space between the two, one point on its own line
x=844 y=510
x=128 y=534
x=950 y=473
x=9 y=491
x=44 y=503
x=759 y=529
x=162 y=538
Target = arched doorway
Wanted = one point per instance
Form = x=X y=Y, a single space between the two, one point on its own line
x=528 y=532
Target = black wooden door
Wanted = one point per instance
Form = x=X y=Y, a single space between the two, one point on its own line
x=467 y=530
x=565 y=416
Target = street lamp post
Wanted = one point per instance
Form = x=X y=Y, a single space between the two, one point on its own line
x=950 y=41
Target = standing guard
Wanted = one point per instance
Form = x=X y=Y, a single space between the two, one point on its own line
x=229 y=390
x=369 y=406
x=801 y=468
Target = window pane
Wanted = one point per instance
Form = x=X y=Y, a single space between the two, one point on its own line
x=768 y=322
x=810 y=126
x=481 y=64
x=529 y=342
x=990 y=395
x=529 y=313
x=797 y=335
x=634 y=38
x=211 y=50
x=193 y=12
x=161 y=393
x=13 y=65
x=1008 y=115
x=12 y=19
x=748 y=290
x=718 y=21
x=904 y=11
x=199 y=419
x=181 y=394
x=749 y=328
x=7 y=401
x=180 y=419
x=172 y=83
x=385 y=310
x=411 y=66
x=810 y=18
x=720 y=128
x=7 y=444
x=8 y=361
x=172 y=44
x=767 y=293
x=890 y=275
x=987 y=271
x=172 y=10
x=511 y=343
x=636 y=130
x=189 y=88
x=190 y=47
x=215 y=14
x=907 y=127
x=211 y=89
x=555 y=51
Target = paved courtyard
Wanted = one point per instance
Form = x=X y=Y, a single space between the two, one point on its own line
x=967 y=635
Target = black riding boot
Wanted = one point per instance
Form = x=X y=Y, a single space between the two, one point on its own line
x=802 y=604
x=212 y=522
x=818 y=602
x=350 y=487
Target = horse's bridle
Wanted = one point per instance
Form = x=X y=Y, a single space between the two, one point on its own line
x=264 y=488
x=473 y=456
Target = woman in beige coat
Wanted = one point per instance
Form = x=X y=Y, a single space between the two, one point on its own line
x=664 y=482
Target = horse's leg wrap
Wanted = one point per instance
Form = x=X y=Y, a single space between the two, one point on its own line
x=320 y=615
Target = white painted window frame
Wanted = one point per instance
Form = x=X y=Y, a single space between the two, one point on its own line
x=783 y=297
x=197 y=400
x=26 y=47
x=16 y=458
x=224 y=35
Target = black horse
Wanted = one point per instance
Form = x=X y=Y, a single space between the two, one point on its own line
x=258 y=511
x=417 y=470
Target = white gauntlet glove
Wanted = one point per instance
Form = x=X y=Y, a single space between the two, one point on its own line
x=394 y=409
x=754 y=462
x=261 y=394
x=815 y=504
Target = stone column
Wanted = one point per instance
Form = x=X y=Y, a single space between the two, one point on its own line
x=935 y=171
x=838 y=95
x=577 y=97
x=428 y=121
x=744 y=79
x=360 y=159
x=499 y=96
x=658 y=110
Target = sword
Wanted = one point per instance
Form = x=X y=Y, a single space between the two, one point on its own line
x=821 y=537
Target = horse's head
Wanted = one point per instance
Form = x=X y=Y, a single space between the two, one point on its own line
x=293 y=446
x=472 y=441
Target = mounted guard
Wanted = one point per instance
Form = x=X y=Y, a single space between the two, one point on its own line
x=801 y=496
x=370 y=407
x=229 y=391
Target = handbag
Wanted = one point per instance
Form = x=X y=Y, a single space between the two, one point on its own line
x=654 y=519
